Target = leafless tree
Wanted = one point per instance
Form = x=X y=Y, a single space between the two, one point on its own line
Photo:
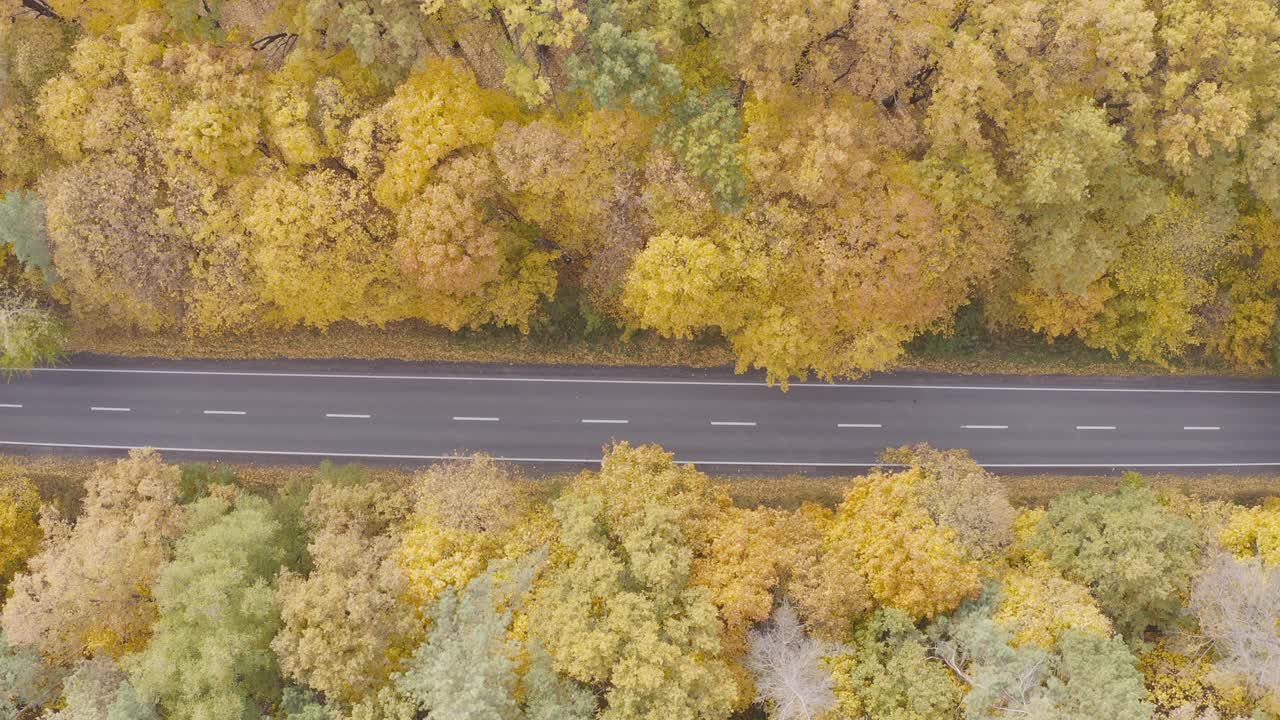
x=786 y=664
x=1238 y=605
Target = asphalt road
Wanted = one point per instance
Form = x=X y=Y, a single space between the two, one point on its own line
x=413 y=413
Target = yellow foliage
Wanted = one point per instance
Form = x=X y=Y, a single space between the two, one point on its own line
x=436 y=111
x=20 y=532
x=829 y=597
x=908 y=560
x=1254 y=532
x=309 y=103
x=320 y=250
x=435 y=558
x=1039 y=605
x=751 y=552
x=1175 y=680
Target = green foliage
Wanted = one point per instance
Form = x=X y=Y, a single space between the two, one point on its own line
x=26 y=684
x=1135 y=556
x=98 y=690
x=1082 y=677
x=467 y=667
x=198 y=478
x=300 y=704
x=30 y=335
x=623 y=66
x=210 y=655
x=22 y=228
x=703 y=134
x=888 y=673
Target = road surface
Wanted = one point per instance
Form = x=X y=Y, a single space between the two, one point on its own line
x=407 y=413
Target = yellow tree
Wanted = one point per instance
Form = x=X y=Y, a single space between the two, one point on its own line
x=472 y=264
x=617 y=608
x=1254 y=532
x=32 y=49
x=436 y=111
x=909 y=561
x=345 y=627
x=20 y=532
x=88 y=590
x=321 y=250
x=466 y=513
x=1038 y=605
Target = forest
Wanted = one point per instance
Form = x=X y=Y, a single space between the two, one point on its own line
x=813 y=182
x=638 y=591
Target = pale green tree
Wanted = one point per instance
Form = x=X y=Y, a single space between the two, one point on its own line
x=22 y=229
x=1083 y=676
x=99 y=690
x=1135 y=556
x=30 y=334
x=210 y=654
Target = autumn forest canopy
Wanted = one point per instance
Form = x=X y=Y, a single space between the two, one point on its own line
x=815 y=181
x=637 y=591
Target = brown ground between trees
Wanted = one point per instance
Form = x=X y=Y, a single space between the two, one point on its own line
x=420 y=342
x=60 y=480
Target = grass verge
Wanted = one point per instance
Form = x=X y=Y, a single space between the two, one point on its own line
x=1016 y=354
x=61 y=480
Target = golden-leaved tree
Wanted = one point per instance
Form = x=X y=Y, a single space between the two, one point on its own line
x=89 y=588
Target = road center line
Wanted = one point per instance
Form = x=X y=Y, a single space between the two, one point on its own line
x=109 y=409
x=466 y=418
x=985 y=427
x=11 y=405
x=224 y=412
x=733 y=423
x=1201 y=427
x=859 y=425
x=357 y=416
x=598 y=421
x=1095 y=427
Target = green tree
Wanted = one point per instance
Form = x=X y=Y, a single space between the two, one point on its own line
x=623 y=66
x=26 y=684
x=99 y=690
x=1083 y=676
x=22 y=228
x=1134 y=555
x=467 y=666
x=702 y=133
x=30 y=334
x=210 y=656
x=887 y=672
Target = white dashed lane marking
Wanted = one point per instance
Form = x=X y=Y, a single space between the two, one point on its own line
x=109 y=409
x=224 y=412
x=355 y=416
x=468 y=418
